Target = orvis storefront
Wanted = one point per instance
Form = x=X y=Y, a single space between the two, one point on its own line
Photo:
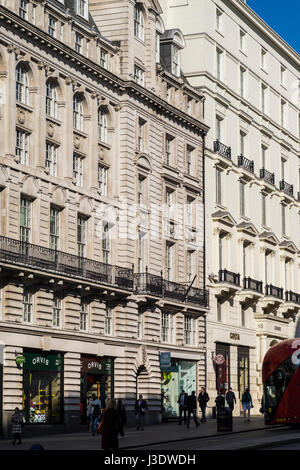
x=42 y=395
x=176 y=376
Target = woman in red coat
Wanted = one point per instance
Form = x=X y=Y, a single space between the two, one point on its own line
x=110 y=426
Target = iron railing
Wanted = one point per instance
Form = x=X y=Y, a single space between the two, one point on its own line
x=245 y=163
x=230 y=277
x=274 y=291
x=252 y=284
x=222 y=149
x=146 y=283
x=286 y=187
x=34 y=256
x=267 y=176
x=292 y=297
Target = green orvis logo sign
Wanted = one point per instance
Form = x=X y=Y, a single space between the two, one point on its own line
x=36 y=361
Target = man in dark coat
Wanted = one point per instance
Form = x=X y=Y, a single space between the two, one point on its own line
x=140 y=409
x=192 y=409
x=182 y=406
x=203 y=398
x=230 y=398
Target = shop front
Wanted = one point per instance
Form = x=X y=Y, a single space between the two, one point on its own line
x=42 y=395
x=96 y=379
x=177 y=376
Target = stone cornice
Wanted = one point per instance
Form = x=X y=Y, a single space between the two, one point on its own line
x=87 y=66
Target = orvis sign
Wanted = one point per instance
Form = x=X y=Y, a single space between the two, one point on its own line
x=96 y=366
x=40 y=361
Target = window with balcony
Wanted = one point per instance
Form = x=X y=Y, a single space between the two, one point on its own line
x=22 y=84
x=54 y=228
x=169 y=261
x=190 y=265
x=105 y=244
x=51 y=158
x=22 y=147
x=81 y=236
x=25 y=219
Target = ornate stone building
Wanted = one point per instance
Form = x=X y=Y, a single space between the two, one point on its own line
x=102 y=211
x=250 y=78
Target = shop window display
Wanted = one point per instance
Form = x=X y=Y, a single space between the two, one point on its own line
x=42 y=388
x=180 y=376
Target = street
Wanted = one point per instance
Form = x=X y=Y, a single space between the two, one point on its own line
x=170 y=436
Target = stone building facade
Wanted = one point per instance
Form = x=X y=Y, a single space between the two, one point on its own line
x=102 y=211
x=250 y=78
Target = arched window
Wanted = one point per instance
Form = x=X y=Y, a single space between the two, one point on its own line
x=138 y=23
x=51 y=99
x=102 y=125
x=78 y=112
x=22 y=84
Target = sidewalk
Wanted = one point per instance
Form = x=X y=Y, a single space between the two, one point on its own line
x=160 y=433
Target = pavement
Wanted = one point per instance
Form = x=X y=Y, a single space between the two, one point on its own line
x=134 y=439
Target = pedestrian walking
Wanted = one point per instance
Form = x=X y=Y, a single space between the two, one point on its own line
x=96 y=417
x=110 y=426
x=192 y=408
x=220 y=401
x=247 y=404
x=141 y=408
x=89 y=413
x=182 y=406
x=17 y=424
x=230 y=398
x=203 y=399
x=122 y=415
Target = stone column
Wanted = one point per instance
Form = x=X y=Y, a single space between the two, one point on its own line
x=72 y=391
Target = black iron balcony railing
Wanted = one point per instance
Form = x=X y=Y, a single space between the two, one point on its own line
x=286 y=187
x=245 y=163
x=292 y=297
x=274 y=291
x=146 y=283
x=230 y=277
x=267 y=176
x=21 y=253
x=222 y=149
x=252 y=284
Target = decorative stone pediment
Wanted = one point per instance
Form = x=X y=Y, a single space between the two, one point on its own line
x=224 y=217
x=289 y=246
x=269 y=237
x=143 y=162
x=248 y=228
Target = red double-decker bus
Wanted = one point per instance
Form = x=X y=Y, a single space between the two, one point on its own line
x=281 y=382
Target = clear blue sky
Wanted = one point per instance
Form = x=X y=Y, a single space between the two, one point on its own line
x=282 y=16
